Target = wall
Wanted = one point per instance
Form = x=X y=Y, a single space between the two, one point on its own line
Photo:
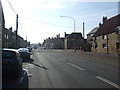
x=113 y=38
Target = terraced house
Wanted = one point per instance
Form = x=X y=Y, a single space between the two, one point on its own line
x=107 y=37
x=2 y=23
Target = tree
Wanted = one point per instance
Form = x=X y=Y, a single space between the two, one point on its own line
x=39 y=44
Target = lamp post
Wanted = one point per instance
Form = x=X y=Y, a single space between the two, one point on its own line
x=72 y=19
x=74 y=29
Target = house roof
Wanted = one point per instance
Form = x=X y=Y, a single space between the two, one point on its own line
x=93 y=30
x=75 y=35
x=109 y=26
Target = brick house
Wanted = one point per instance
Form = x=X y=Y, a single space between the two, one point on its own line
x=107 y=37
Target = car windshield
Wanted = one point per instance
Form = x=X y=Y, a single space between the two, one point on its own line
x=8 y=55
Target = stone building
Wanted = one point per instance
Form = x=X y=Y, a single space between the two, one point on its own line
x=9 y=39
x=107 y=37
x=91 y=34
x=74 y=41
x=2 y=23
x=54 y=43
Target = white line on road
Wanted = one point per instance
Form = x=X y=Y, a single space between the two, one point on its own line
x=80 y=68
x=109 y=82
x=62 y=60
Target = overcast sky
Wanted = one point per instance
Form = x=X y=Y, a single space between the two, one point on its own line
x=40 y=19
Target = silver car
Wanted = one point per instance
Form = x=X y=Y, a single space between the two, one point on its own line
x=25 y=54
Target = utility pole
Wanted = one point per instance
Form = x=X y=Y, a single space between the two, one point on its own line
x=16 y=30
x=83 y=30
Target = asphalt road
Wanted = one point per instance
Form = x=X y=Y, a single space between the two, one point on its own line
x=51 y=69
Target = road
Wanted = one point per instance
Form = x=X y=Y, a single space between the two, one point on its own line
x=51 y=69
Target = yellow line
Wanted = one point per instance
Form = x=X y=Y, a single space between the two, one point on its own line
x=109 y=82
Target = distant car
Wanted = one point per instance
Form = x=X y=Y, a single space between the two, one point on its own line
x=25 y=54
x=11 y=61
x=35 y=47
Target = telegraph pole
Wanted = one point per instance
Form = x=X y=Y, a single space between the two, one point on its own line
x=16 y=30
x=83 y=30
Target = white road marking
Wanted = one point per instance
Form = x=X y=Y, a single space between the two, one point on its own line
x=80 y=68
x=62 y=60
x=108 y=81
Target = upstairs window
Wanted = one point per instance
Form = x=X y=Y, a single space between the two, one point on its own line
x=118 y=30
x=96 y=38
x=104 y=37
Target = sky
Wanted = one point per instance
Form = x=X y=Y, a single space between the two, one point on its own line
x=40 y=19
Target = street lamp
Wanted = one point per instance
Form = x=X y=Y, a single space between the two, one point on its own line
x=72 y=19
x=74 y=29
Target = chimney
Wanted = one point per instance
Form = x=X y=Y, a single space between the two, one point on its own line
x=99 y=24
x=65 y=34
x=59 y=35
x=104 y=19
x=10 y=29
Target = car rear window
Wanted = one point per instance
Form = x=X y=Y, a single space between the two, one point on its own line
x=8 y=55
x=23 y=50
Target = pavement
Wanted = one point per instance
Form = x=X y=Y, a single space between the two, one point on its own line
x=109 y=59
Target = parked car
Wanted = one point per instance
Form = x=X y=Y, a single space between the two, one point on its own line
x=25 y=54
x=11 y=61
x=30 y=49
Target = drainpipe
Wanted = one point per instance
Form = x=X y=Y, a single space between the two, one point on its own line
x=107 y=46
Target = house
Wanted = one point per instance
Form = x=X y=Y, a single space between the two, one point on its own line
x=54 y=43
x=91 y=34
x=107 y=37
x=9 y=39
x=2 y=23
x=74 y=41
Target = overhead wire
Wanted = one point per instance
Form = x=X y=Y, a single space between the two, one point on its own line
x=11 y=7
x=35 y=19
x=44 y=22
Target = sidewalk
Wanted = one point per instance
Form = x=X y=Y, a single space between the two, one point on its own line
x=96 y=57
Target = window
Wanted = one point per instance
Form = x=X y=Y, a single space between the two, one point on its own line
x=96 y=38
x=118 y=30
x=91 y=39
x=4 y=35
x=92 y=35
x=7 y=37
x=118 y=45
x=96 y=46
x=104 y=37
x=104 y=45
x=8 y=54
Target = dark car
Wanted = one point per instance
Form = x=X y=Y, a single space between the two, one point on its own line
x=11 y=61
x=24 y=54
